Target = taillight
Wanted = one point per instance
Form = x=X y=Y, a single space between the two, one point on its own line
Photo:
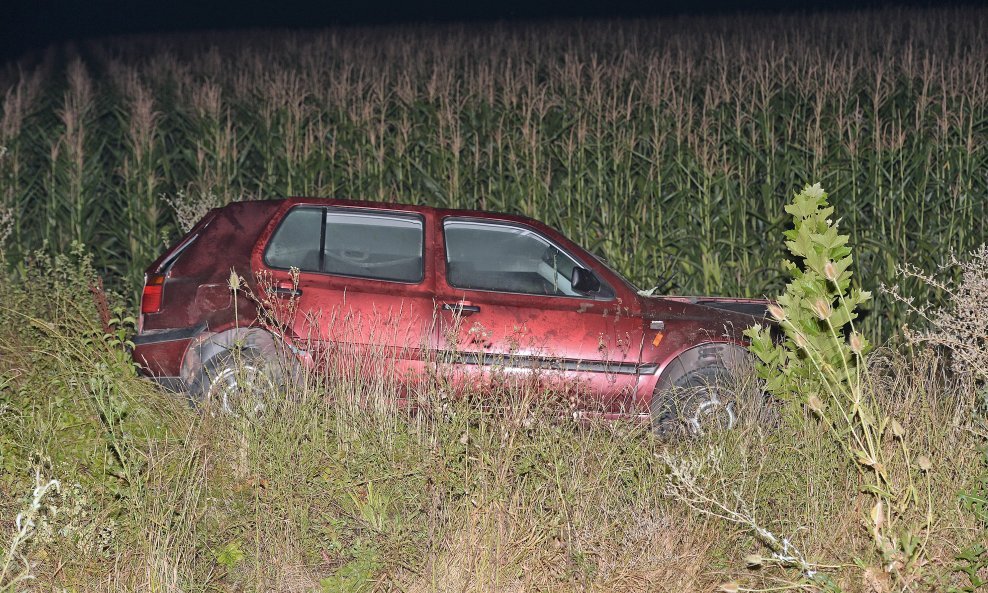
x=151 y=299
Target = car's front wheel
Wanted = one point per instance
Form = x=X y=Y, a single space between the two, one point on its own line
x=701 y=401
x=238 y=381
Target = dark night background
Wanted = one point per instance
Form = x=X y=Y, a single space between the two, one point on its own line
x=34 y=24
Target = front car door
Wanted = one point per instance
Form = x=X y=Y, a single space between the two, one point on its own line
x=507 y=308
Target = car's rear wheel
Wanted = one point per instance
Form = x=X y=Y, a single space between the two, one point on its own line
x=701 y=401
x=238 y=381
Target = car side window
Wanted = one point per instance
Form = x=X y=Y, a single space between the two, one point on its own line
x=372 y=245
x=296 y=242
x=379 y=246
x=505 y=258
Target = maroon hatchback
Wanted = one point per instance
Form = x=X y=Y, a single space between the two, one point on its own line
x=448 y=293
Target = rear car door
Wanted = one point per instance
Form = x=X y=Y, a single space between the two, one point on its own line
x=507 y=309
x=362 y=300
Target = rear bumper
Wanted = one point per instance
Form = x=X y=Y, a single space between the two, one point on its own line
x=157 y=336
x=160 y=353
x=173 y=384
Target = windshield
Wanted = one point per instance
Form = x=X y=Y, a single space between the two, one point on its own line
x=604 y=263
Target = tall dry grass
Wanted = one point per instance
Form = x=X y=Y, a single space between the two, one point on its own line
x=334 y=487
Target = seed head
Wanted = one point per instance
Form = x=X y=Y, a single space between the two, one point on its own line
x=815 y=404
x=822 y=309
x=800 y=341
x=234 y=281
x=777 y=312
x=730 y=587
x=897 y=429
x=856 y=343
x=878 y=514
x=924 y=463
x=830 y=271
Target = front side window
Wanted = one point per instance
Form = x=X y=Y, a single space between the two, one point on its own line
x=349 y=243
x=505 y=258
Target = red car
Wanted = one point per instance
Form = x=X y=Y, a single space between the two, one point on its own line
x=459 y=294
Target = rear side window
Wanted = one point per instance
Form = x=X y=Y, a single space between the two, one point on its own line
x=349 y=243
x=296 y=242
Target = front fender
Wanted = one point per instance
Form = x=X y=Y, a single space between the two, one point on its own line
x=725 y=353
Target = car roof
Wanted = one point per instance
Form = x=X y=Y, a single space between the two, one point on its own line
x=404 y=207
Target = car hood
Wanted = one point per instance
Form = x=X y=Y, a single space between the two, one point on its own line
x=739 y=312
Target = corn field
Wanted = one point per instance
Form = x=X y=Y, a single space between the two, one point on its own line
x=667 y=146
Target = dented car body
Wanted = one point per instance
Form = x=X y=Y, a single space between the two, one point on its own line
x=455 y=294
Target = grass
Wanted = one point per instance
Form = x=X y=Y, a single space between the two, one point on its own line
x=661 y=144
x=336 y=489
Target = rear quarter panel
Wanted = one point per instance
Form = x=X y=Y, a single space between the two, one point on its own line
x=196 y=290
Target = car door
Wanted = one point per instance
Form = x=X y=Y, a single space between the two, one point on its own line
x=508 y=309
x=362 y=302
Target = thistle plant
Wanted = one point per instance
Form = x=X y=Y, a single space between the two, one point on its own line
x=821 y=356
x=820 y=363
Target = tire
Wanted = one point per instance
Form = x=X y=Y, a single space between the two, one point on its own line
x=701 y=401
x=238 y=381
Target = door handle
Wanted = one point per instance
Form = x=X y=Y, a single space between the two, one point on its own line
x=462 y=308
x=285 y=291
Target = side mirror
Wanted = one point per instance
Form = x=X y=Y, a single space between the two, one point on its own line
x=583 y=280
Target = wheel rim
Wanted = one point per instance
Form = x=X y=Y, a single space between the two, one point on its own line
x=712 y=411
x=241 y=388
